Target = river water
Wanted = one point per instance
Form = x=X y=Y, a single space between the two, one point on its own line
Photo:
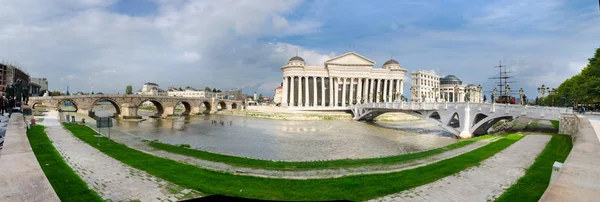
x=286 y=140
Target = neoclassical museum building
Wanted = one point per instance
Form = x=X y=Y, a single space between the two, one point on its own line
x=427 y=86
x=343 y=80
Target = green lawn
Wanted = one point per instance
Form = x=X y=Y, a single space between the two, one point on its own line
x=532 y=185
x=66 y=183
x=555 y=123
x=282 y=165
x=356 y=188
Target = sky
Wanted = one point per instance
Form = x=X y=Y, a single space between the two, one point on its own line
x=105 y=45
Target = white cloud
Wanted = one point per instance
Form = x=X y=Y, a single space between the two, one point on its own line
x=209 y=43
x=191 y=56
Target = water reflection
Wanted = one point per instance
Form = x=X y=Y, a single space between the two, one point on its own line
x=289 y=140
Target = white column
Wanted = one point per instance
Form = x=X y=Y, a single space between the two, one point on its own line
x=402 y=87
x=315 y=91
x=322 y=91
x=398 y=89
x=370 y=90
x=306 y=92
x=359 y=89
x=385 y=89
x=365 y=90
x=292 y=91
x=351 y=97
x=331 y=100
x=284 y=92
x=300 y=89
x=343 y=92
x=377 y=96
x=335 y=91
x=390 y=90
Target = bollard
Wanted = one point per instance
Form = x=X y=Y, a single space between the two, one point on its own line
x=555 y=169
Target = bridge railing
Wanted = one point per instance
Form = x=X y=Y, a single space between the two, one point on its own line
x=482 y=106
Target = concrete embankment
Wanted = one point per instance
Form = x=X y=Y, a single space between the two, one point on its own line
x=21 y=177
x=579 y=177
x=280 y=113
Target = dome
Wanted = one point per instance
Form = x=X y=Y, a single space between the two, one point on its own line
x=391 y=61
x=452 y=77
x=296 y=58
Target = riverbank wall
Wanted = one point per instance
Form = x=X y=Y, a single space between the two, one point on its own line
x=21 y=177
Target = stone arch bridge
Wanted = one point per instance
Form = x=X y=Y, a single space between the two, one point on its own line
x=461 y=119
x=127 y=105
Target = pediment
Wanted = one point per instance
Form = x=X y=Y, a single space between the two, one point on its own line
x=350 y=59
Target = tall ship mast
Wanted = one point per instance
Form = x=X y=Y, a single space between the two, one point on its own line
x=501 y=93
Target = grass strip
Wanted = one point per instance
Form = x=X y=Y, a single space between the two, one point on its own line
x=66 y=183
x=555 y=123
x=532 y=185
x=356 y=188
x=310 y=165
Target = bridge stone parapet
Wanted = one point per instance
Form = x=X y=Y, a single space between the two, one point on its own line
x=568 y=124
x=461 y=119
x=127 y=105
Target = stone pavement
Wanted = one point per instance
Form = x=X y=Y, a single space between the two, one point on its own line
x=579 y=177
x=485 y=182
x=110 y=178
x=21 y=177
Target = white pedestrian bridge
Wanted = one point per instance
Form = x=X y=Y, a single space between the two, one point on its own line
x=463 y=119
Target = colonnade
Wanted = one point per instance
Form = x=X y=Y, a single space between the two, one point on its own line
x=316 y=91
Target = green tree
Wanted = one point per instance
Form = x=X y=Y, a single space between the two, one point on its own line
x=180 y=89
x=207 y=89
x=260 y=98
x=584 y=87
x=214 y=90
x=128 y=90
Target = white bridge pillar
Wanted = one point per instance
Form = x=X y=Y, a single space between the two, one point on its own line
x=465 y=123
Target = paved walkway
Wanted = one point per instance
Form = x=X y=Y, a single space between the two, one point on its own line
x=136 y=142
x=110 y=178
x=485 y=182
x=579 y=177
x=21 y=177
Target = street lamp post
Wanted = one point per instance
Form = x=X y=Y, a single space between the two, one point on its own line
x=479 y=91
x=553 y=92
x=543 y=89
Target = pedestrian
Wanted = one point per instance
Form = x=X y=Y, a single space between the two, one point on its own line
x=2 y=106
x=11 y=105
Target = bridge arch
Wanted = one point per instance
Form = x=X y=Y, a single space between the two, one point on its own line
x=160 y=109
x=435 y=116
x=206 y=106
x=222 y=105
x=479 y=117
x=454 y=120
x=112 y=101
x=64 y=101
x=187 y=107
x=234 y=105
